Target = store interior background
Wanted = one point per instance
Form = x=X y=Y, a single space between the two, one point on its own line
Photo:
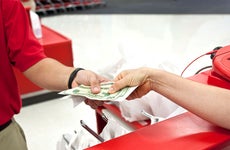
x=126 y=34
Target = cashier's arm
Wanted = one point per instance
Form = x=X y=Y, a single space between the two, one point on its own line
x=51 y=74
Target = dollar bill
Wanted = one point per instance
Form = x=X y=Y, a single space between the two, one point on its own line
x=104 y=95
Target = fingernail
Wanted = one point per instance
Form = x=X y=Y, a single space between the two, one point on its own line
x=111 y=90
x=96 y=89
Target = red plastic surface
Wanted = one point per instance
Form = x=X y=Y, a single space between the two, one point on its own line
x=56 y=46
x=185 y=131
x=221 y=62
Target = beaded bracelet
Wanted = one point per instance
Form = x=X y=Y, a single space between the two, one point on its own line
x=72 y=76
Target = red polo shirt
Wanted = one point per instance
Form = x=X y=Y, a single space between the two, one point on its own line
x=19 y=48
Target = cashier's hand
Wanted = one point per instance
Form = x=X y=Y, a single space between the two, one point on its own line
x=89 y=78
x=94 y=104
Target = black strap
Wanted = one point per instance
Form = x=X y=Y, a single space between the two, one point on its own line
x=72 y=76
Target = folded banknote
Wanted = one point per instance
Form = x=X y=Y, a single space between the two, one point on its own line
x=104 y=95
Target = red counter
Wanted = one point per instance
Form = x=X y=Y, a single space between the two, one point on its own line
x=183 y=132
x=56 y=46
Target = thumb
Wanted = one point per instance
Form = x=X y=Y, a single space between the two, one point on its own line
x=117 y=86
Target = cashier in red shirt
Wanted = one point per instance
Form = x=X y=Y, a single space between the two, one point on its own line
x=19 y=48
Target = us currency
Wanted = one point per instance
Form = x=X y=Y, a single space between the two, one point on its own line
x=104 y=95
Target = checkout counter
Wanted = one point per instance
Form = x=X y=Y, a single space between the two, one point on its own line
x=185 y=131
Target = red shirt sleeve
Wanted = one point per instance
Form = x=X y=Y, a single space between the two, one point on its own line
x=23 y=47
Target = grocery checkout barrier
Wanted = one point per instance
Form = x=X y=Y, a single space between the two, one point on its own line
x=185 y=131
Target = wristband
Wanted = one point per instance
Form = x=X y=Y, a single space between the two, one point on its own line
x=72 y=76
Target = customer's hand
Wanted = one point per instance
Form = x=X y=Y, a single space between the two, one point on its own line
x=135 y=77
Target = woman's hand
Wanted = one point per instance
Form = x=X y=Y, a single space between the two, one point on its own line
x=135 y=77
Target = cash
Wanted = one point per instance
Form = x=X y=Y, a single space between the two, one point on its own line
x=104 y=95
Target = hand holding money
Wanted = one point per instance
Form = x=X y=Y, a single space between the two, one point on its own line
x=104 y=95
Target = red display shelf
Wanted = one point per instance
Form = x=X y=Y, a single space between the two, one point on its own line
x=56 y=46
